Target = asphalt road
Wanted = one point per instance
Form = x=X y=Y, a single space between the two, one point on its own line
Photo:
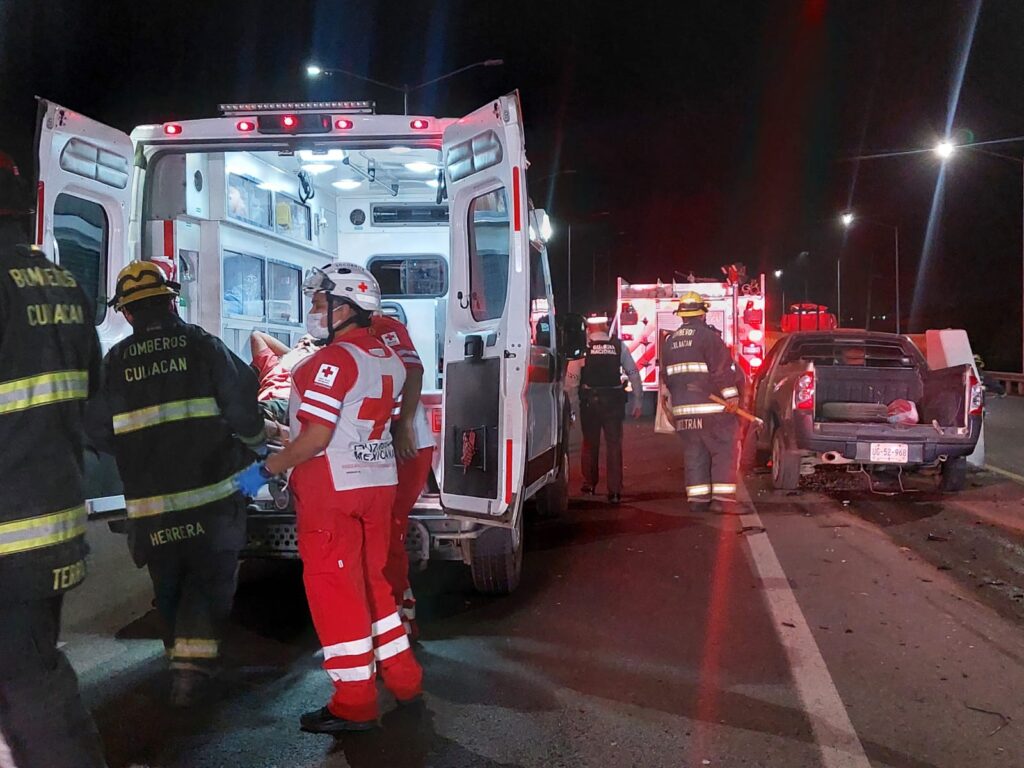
x=831 y=627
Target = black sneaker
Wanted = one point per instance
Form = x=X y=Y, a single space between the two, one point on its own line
x=324 y=721
x=614 y=498
x=587 y=490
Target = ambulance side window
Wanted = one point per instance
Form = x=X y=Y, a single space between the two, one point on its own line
x=489 y=230
x=80 y=233
x=540 y=317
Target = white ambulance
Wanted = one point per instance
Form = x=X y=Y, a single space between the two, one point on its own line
x=645 y=314
x=238 y=207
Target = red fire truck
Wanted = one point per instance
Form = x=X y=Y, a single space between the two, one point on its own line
x=644 y=315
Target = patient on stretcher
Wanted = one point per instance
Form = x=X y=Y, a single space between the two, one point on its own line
x=274 y=361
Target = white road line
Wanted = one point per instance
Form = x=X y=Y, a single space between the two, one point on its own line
x=840 y=747
x=1005 y=473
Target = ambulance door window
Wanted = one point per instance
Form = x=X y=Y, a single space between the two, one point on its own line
x=243 y=286
x=489 y=230
x=80 y=231
x=540 y=311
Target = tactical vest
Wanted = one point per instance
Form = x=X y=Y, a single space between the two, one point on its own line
x=602 y=365
x=49 y=364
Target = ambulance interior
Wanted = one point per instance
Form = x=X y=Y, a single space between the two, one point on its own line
x=239 y=229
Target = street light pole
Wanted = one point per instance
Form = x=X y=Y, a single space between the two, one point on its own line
x=848 y=219
x=314 y=70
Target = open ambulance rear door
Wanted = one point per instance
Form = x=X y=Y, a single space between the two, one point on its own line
x=84 y=194
x=487 y=339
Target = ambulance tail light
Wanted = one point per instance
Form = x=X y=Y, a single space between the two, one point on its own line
x=755 y=363
x=977 y=392
x=435 y=420
x=245 y=126
x=803 y=395
x=172 y=129
x=755 y=335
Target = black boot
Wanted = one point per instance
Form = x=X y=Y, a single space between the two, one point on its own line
x=614 y=498
x=323 y=721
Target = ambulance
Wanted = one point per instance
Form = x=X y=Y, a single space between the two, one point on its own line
x=645 y=315
x=238 y=207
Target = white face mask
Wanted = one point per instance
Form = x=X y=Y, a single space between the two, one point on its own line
x=316 y=325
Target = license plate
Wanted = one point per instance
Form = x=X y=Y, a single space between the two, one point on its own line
x=890 y=453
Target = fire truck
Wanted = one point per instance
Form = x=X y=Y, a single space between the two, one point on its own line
x=645 y=314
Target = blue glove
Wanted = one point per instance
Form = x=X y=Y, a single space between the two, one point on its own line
x=252 y=478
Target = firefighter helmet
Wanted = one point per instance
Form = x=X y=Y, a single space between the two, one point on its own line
x=15 y=194
x=345 y=282
x=691 y=305
x=141 y=280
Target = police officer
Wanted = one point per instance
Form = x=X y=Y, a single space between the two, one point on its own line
x=596 y=381
x=178 y=411
x=49 y=364
x=696 y=364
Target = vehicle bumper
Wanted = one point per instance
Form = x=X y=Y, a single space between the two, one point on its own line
x=853 y=442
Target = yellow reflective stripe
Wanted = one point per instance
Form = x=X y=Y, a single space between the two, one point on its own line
x=723 y=488
x=195 y=648
x=697 y=490
x=42 y=531
x=43 y=389
x=729 y=392
x=174 y=502
x=698 y=409
x=178 y=410
x=675 y=368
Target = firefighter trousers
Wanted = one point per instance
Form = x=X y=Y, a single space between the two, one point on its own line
x=709 y=456
x=43 y=723
x=602 y=415
x=194 y=586
x=344 y=538
x=412 y=478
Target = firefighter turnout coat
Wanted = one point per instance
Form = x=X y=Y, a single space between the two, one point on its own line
x=49 y=365
x=178 y=411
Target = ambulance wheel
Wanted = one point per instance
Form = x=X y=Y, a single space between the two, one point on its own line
x=785 y=464
x=954 y=474
x=553 y=498
x=497 y=560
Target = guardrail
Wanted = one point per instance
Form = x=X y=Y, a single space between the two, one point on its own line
x=1014 y=382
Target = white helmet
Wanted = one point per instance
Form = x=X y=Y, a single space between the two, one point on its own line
x=346 y=282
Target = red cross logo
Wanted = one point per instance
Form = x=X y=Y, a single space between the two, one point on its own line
x=378 y=409
x=362 y=287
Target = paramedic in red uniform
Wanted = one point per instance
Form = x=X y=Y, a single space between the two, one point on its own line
x=344 y=482
x=414 y=449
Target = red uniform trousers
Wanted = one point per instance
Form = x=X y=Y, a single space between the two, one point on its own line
x=343 y=543
x=412 y=477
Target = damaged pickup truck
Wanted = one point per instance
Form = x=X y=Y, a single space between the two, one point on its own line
x=867 y=400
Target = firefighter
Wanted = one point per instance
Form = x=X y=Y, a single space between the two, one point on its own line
x=695 y=364
x=178 y=411
x=596 y=382
x=414 y=451
x=344 y=482
x=49 y=364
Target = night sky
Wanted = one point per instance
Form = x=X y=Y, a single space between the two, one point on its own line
x=684 y=135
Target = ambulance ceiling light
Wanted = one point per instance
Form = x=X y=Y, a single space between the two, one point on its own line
x=432 y=183
x=245 y=126
x=399 y=150
x=419 y=124
x=317 y=168
x=420 y=166
x=321 y=155
x=597 y=320
x=343 y=125
x=273 y=186
x=347 y=185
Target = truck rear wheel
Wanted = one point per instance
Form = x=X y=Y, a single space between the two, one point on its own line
x=496 y=559
x=954 y=474
x=785 y=464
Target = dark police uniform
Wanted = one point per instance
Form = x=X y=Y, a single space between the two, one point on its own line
x=695 y=363
x=49 y=365
x=178 y=411
x=602 y=407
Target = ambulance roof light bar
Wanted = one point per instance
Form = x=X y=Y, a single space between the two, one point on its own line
x=337 y=107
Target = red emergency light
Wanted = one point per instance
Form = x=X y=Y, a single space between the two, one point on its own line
x=756 y=362
x=245 y=126
x=418 y=125
x=172 y=129
x=435 y=419
x=289 y=121
x=343 y=125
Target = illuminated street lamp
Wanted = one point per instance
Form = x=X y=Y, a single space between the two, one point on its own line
x=945 y=149
x=778 y=273
x=315 y=70
x=847 y=219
